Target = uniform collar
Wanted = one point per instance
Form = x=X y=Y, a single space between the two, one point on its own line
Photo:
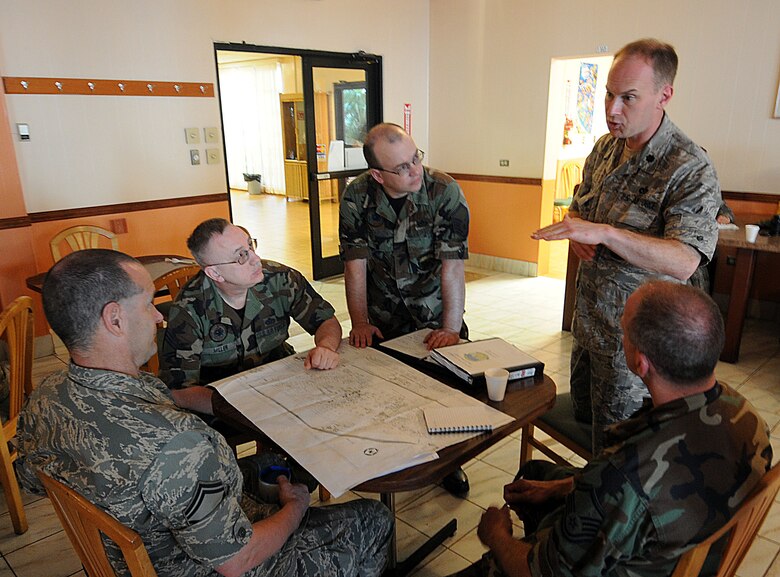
x=145 y=386
x=653 y=416
x=653 y=148
x=379 y=198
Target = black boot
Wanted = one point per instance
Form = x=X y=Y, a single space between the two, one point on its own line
x=457 y=483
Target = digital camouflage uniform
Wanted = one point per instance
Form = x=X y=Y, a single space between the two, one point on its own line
x=404 y=252
x=668 y=190
x=205 y=340
x=123 y=444
x=671 y=476
x=702 y=275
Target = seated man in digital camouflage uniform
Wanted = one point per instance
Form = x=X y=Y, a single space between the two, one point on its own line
x=115 y=435
x=669 y=477
x=235 y=315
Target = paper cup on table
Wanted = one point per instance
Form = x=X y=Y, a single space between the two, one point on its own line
x=496 y=383
x=751 y=232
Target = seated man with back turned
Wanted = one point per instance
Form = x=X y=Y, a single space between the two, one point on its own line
x=669 y=477
x=115 y=435
x=235 y=314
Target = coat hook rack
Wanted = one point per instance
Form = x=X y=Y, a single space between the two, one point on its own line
x=105 y=87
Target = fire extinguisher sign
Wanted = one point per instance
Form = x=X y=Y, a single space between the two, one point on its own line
x=408 y=118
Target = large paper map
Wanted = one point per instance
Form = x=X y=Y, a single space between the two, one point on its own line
x=356 y=422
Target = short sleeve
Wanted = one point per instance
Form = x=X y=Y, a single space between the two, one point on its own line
x=692 y=210
x=309 y=309
x=353 y=241
x=180 y=356
x=451 y=224
x=196 y=495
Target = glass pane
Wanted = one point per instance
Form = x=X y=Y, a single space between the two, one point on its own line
x=340 y=118
x=329 y=214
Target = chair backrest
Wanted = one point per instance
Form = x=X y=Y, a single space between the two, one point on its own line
x=571 y=176
x=176 y=279
x=81 y=237
x=173 y=281
x=16 y=328
x=84 y=523
x=742 y=528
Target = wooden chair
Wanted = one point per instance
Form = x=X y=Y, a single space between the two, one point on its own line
x=741 y=529
x=81 y=237
x=84 y=523
x=172 y=281
x=560 y=424
x=16 y=327
x=571 y=176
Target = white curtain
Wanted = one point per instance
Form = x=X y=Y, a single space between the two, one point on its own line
x=252 y=122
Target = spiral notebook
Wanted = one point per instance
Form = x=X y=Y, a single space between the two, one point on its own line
x=463 y=419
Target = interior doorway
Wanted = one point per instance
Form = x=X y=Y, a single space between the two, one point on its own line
x=575 y=121
x=292 y=125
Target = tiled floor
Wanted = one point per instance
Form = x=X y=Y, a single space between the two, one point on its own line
x=525 y=311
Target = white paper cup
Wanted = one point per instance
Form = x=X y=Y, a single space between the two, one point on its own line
x=751 y=232
x=496 y=383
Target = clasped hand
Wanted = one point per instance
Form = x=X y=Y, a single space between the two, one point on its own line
x=321 y=358
x=583 y=235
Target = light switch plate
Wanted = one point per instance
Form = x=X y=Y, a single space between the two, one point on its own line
x=211 y=135
x=194 y=156
x=213 y=155
x=192 y=135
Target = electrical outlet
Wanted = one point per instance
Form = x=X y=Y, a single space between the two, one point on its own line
x=194 y=157
x=192 y=135
x=213 y=155
x=503 y=162
x=211 y=135
x=602 y=49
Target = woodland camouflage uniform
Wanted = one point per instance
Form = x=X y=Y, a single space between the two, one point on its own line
x=404 y=251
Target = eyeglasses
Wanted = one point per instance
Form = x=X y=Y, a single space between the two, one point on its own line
x=243 y=255
x=404 y=170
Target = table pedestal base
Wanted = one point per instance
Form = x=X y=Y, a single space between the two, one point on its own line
x=402 y=568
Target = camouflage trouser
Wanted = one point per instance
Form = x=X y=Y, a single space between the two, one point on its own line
x=603 y=390
x=344 y=540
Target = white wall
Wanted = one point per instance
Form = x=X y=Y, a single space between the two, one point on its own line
x=490 y=65
x=99 y=150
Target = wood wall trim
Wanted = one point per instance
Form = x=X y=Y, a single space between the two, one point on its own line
x=15 y=222
x=88 y=211
x=103 y=87
x=496 y=179
x=751 y=196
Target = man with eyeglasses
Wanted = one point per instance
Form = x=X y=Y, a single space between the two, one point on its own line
x=403 y=232
x=235 y=315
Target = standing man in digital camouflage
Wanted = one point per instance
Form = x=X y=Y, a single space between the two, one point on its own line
x=403 y=231
x=646 y=208
x=115 y=435
x=669 y=477
x=235 y=315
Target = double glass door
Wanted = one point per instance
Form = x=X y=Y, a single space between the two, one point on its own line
x=295 y=120
x=342 y=98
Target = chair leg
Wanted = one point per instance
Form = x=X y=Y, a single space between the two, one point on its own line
x=11 y=488
x=526 y=450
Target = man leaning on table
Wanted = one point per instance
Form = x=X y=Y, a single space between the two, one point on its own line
x=670 y=476
x=115 y=435
x=646 y=208
x=403 y=233
x=235 y=315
